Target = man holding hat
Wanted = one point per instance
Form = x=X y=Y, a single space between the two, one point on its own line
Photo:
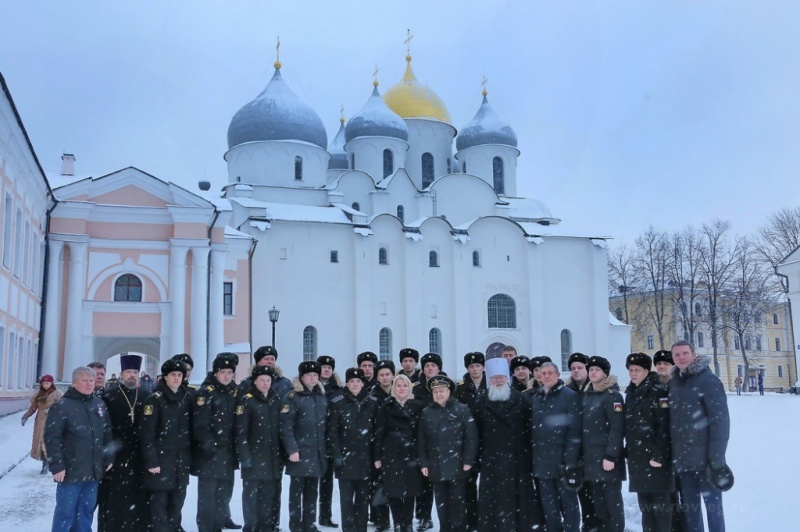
x=700 y=428
x=366 y=362
x=448 y=448
x=122 y=501
x=165 y=432
x=409 y=358
x=334 y=387
x=303 y=418
x=602 y=444
x=214 y=456
x=520 y=368
x=503 y=419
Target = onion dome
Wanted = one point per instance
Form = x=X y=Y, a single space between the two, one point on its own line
x=336 y=150
x=486 y=128
x=277 y=114
x=376 y=120
x=410 y=99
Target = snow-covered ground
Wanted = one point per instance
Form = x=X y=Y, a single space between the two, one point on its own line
x=762 y=453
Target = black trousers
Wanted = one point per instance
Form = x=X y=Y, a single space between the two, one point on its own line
x=656 y=511
x=354 y=502
x=378 y=514
x=472 y=499
x=588 y=518
x=402 y=511
x=608 y=506
x=559 y=506
x=424 y=502
x=165 y=509
x=213 y=502
x=303 y=503
x=258 y=504
x=326 y=492
x=451 y=505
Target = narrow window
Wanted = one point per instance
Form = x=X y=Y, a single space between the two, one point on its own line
x=7 y=223
x=780 y=371
x=433 y=259
x=334 y=255
x=747 y=345
x=2 y=353
x=566 y=348
x=739 y=370
x=383 y=256
x=777 y=344
x=309 y=343
x=388 y=163
x=227 y=298
x=498 y=174
x=736 y=344
x=17 y=242
x=476 y=259
x=26 y=253
x=427 y=169
x=758 y=343
x=449 y=166
x=385 y=344
x=401 y=213
x=435 y=341
x=298 y=168
x=12 y=346
x=700 y=340
x=698 y=310
x=502 y=311
x=775 y=318
x=128 y=288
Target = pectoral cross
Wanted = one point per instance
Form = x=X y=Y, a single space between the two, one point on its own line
x=131 y=415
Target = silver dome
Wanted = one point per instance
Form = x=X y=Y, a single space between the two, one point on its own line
x=336 y=149
x=376 y=120
x=486 y=128
x=276 y=114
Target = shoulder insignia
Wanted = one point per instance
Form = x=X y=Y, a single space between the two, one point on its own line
x=201 y=400
x=248 y=396
x=210 y=388
x=292 y=393
x=192 y=386
x=240 y=410
x=373 y=398
x=157 y=394
x=285 y=409
x=336 y=399
x=617 y=407
x=663 y=402
x=148 y=410
x=461 y=383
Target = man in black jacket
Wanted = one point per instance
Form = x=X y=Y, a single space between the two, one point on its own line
x=520 y=368
x=165 y=433
x=700 y=428
x=333 y=388
x=259 y=452
x=431 y=367
x=78 y=441
x=366 y=362
x=214 y=460
x=409 y=358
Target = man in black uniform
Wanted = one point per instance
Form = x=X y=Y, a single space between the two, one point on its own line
x=366 y=362
x=409 y=358
x=579 y=375
x=189 y=363
x=520 y=368
x=333 y=388
x=431 y=367
x=535 y=364
x=214 y=457
x=467 y=392
x=122 y=499
x=165 y=433
x=384 y=374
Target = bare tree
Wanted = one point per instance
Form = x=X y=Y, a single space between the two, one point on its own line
x=651 y=265
x=779 y=237
x=716 y=264
x=684 y=275
x=622 y=277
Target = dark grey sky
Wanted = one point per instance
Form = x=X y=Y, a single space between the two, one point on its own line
x=627 y=112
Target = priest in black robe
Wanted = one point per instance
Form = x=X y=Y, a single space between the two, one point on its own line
x=122 y=499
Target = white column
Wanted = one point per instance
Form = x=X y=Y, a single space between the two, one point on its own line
x=199 y=303
x=216 y=323
x=177 y=289
x=73 y=354
x=52 y=313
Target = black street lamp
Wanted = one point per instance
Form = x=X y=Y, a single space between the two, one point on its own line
x=273 y=317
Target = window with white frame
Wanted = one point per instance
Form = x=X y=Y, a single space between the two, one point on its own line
x=310 y=343
x=227 y=298
x=502 y=312
x=435 y=341
x=12 y=347
x=17 y=242
x=128 y=288
x=385 y=344
x=26 y=254
x=566 y=348
x=8 y=219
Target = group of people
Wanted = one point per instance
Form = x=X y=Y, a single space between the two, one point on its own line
x=510 y=447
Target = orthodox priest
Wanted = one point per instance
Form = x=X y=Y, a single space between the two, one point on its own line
x=122 y=500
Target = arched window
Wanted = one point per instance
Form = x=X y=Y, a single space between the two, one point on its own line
x=385 y=344
x=435 y=341
x=433 y=259
x=747 y=345
x=502 y=312
x=309 y=343
x=566 y=348
x=476 y=258
x=698 y=310
x=427 y=169
x=498 y=174
x=383 y=256
x=352 y=161
x=465 y=167
x=298 y=168
x=388 y=163
x=128 y=288
x=356 y=206
x=401 y=213
x=775 y=320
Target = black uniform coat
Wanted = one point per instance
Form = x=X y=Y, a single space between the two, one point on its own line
x=573 y=385
x=396 y=447
x=166 y=436
x=351 y=434
x=555 y=429
x=78 y=437
x=699 y=419
x=303 y=429
x=520 y=386
x=258 y=435
x=333 y=387
x=280 y=384
x=214 y=453
x=122 y=502
x=447 y=441
x=603 y=431
x=647 y=436
x=506 y=486
x=467 y=391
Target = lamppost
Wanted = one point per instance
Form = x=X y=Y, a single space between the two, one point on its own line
x=273 y=317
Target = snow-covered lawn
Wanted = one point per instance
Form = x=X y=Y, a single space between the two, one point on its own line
x=762 y=453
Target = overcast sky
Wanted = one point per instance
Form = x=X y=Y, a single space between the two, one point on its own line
x=627 y=112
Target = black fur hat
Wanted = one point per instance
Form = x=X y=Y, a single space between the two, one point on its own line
x=384 y=364
x=353 y=373
x=601 y=363
x=577 y=357
x=431 y=357
x=519 y=360
x=263 y=351
x=663 y=355
x=185 y=358
x=408 y=352
x=309 y=366
x=536 y=362
x=173 y=365
x=225 y=361
x=475 y=357
x=367 y=356
x=262 y=370
x=638 y=359
x=326 y=360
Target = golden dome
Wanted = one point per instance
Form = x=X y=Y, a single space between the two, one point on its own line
x=410 y=99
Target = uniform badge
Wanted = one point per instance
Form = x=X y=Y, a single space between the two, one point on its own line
x=201 y=401
x=148 y=410
x=240 y=410
x=663 y=402
x=617 y=407
x=101 y=411
x=210 y=388
x=285 y=409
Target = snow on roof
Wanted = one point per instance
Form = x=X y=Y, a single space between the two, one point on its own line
x=348 y=210
x=230 y=232
x=57 y=179
x=296 y=213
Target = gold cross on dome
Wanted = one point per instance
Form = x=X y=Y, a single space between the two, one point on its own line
x=484 y=85
x=407 y=41
x=278 y=49
x=375 y=76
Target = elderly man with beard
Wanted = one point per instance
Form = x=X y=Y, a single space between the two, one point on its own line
x=122 y=500
x=503 y=419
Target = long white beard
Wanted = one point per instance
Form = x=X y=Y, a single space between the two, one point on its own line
x=502 y=393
